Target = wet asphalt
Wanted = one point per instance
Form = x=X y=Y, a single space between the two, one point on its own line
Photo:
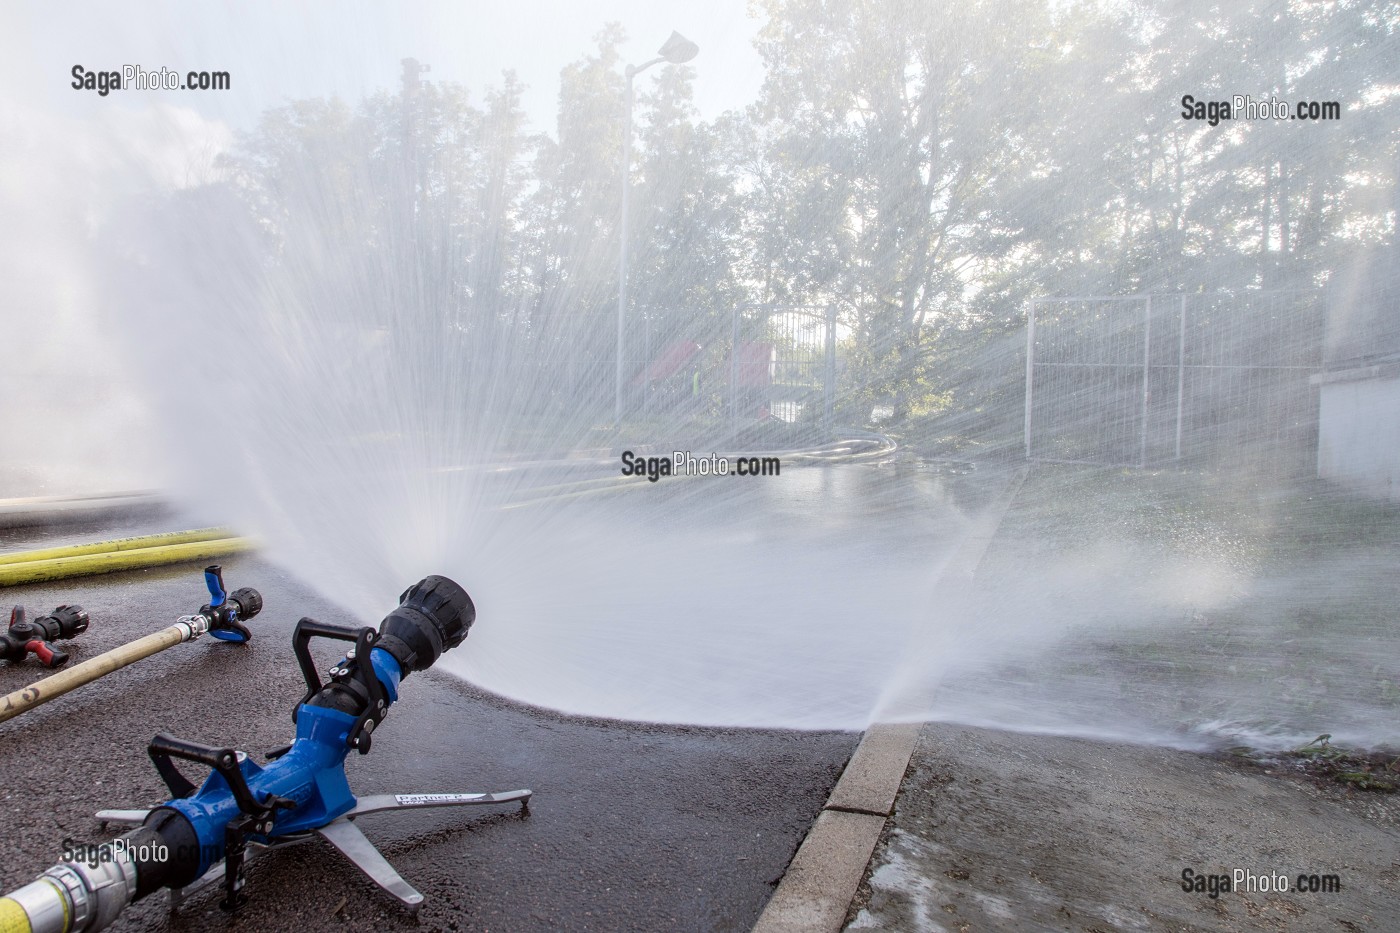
x=632 y=827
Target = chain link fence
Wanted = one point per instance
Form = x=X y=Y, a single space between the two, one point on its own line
x=1210 y=381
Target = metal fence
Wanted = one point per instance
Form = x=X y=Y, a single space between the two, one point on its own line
x=1214 y=380
x=756 y=363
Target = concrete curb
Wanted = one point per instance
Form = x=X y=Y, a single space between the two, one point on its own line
x=821 y=881
x=872 y=777
x=818 y=886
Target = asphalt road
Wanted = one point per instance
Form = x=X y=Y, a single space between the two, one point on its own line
x=632 y=827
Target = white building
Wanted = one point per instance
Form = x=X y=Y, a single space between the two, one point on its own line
x=1359 y=420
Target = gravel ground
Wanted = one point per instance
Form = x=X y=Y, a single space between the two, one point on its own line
x=996 y=831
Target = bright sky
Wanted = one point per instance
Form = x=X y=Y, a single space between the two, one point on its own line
x=276 y=51
x=70 y=158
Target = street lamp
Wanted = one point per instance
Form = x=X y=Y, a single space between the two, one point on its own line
x=677 y=50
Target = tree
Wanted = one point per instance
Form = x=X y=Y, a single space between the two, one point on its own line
x=903 y=130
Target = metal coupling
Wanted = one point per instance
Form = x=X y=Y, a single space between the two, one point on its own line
x=194 y=626
x=96 y=891
x=43 y=905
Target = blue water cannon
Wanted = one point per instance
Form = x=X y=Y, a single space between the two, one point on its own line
x=242 y=808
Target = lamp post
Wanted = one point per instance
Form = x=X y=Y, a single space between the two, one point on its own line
x=677 y=50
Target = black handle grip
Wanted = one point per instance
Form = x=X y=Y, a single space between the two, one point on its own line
x=164 y=747
x=360 y=672
x=308 y=629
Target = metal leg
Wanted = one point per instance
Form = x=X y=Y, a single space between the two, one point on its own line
x=179 y=895
x=380 y=803
x=351 y=843
x=344 y=836
x=122 y=817
x=216 y=874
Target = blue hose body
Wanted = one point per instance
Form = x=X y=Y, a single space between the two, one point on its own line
x=311 y=775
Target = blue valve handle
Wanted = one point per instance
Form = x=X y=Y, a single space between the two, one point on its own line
x=227 y=612
x=214 y=579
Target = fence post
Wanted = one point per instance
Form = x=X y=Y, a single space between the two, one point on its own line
x=1146 y=377
x=648 y=356
x=734 y=373
x=829 y=395
x=1030 y=371
x=1180 y=376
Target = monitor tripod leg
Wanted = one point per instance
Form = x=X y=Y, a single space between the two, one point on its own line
x=351 y=843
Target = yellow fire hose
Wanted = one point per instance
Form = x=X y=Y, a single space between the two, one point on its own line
x=120 y=544
x=123 y=554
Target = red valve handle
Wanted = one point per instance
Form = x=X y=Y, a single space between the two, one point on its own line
x=47 y=654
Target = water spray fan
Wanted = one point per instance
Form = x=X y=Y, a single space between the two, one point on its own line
x=243 y=808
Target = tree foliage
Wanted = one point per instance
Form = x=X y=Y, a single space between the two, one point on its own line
x=926 y=168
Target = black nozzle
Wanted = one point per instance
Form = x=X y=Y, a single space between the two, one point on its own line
x=63 y=622
x=249 y=602
x=433 y=616
x=66 y=621
x=27 y=635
